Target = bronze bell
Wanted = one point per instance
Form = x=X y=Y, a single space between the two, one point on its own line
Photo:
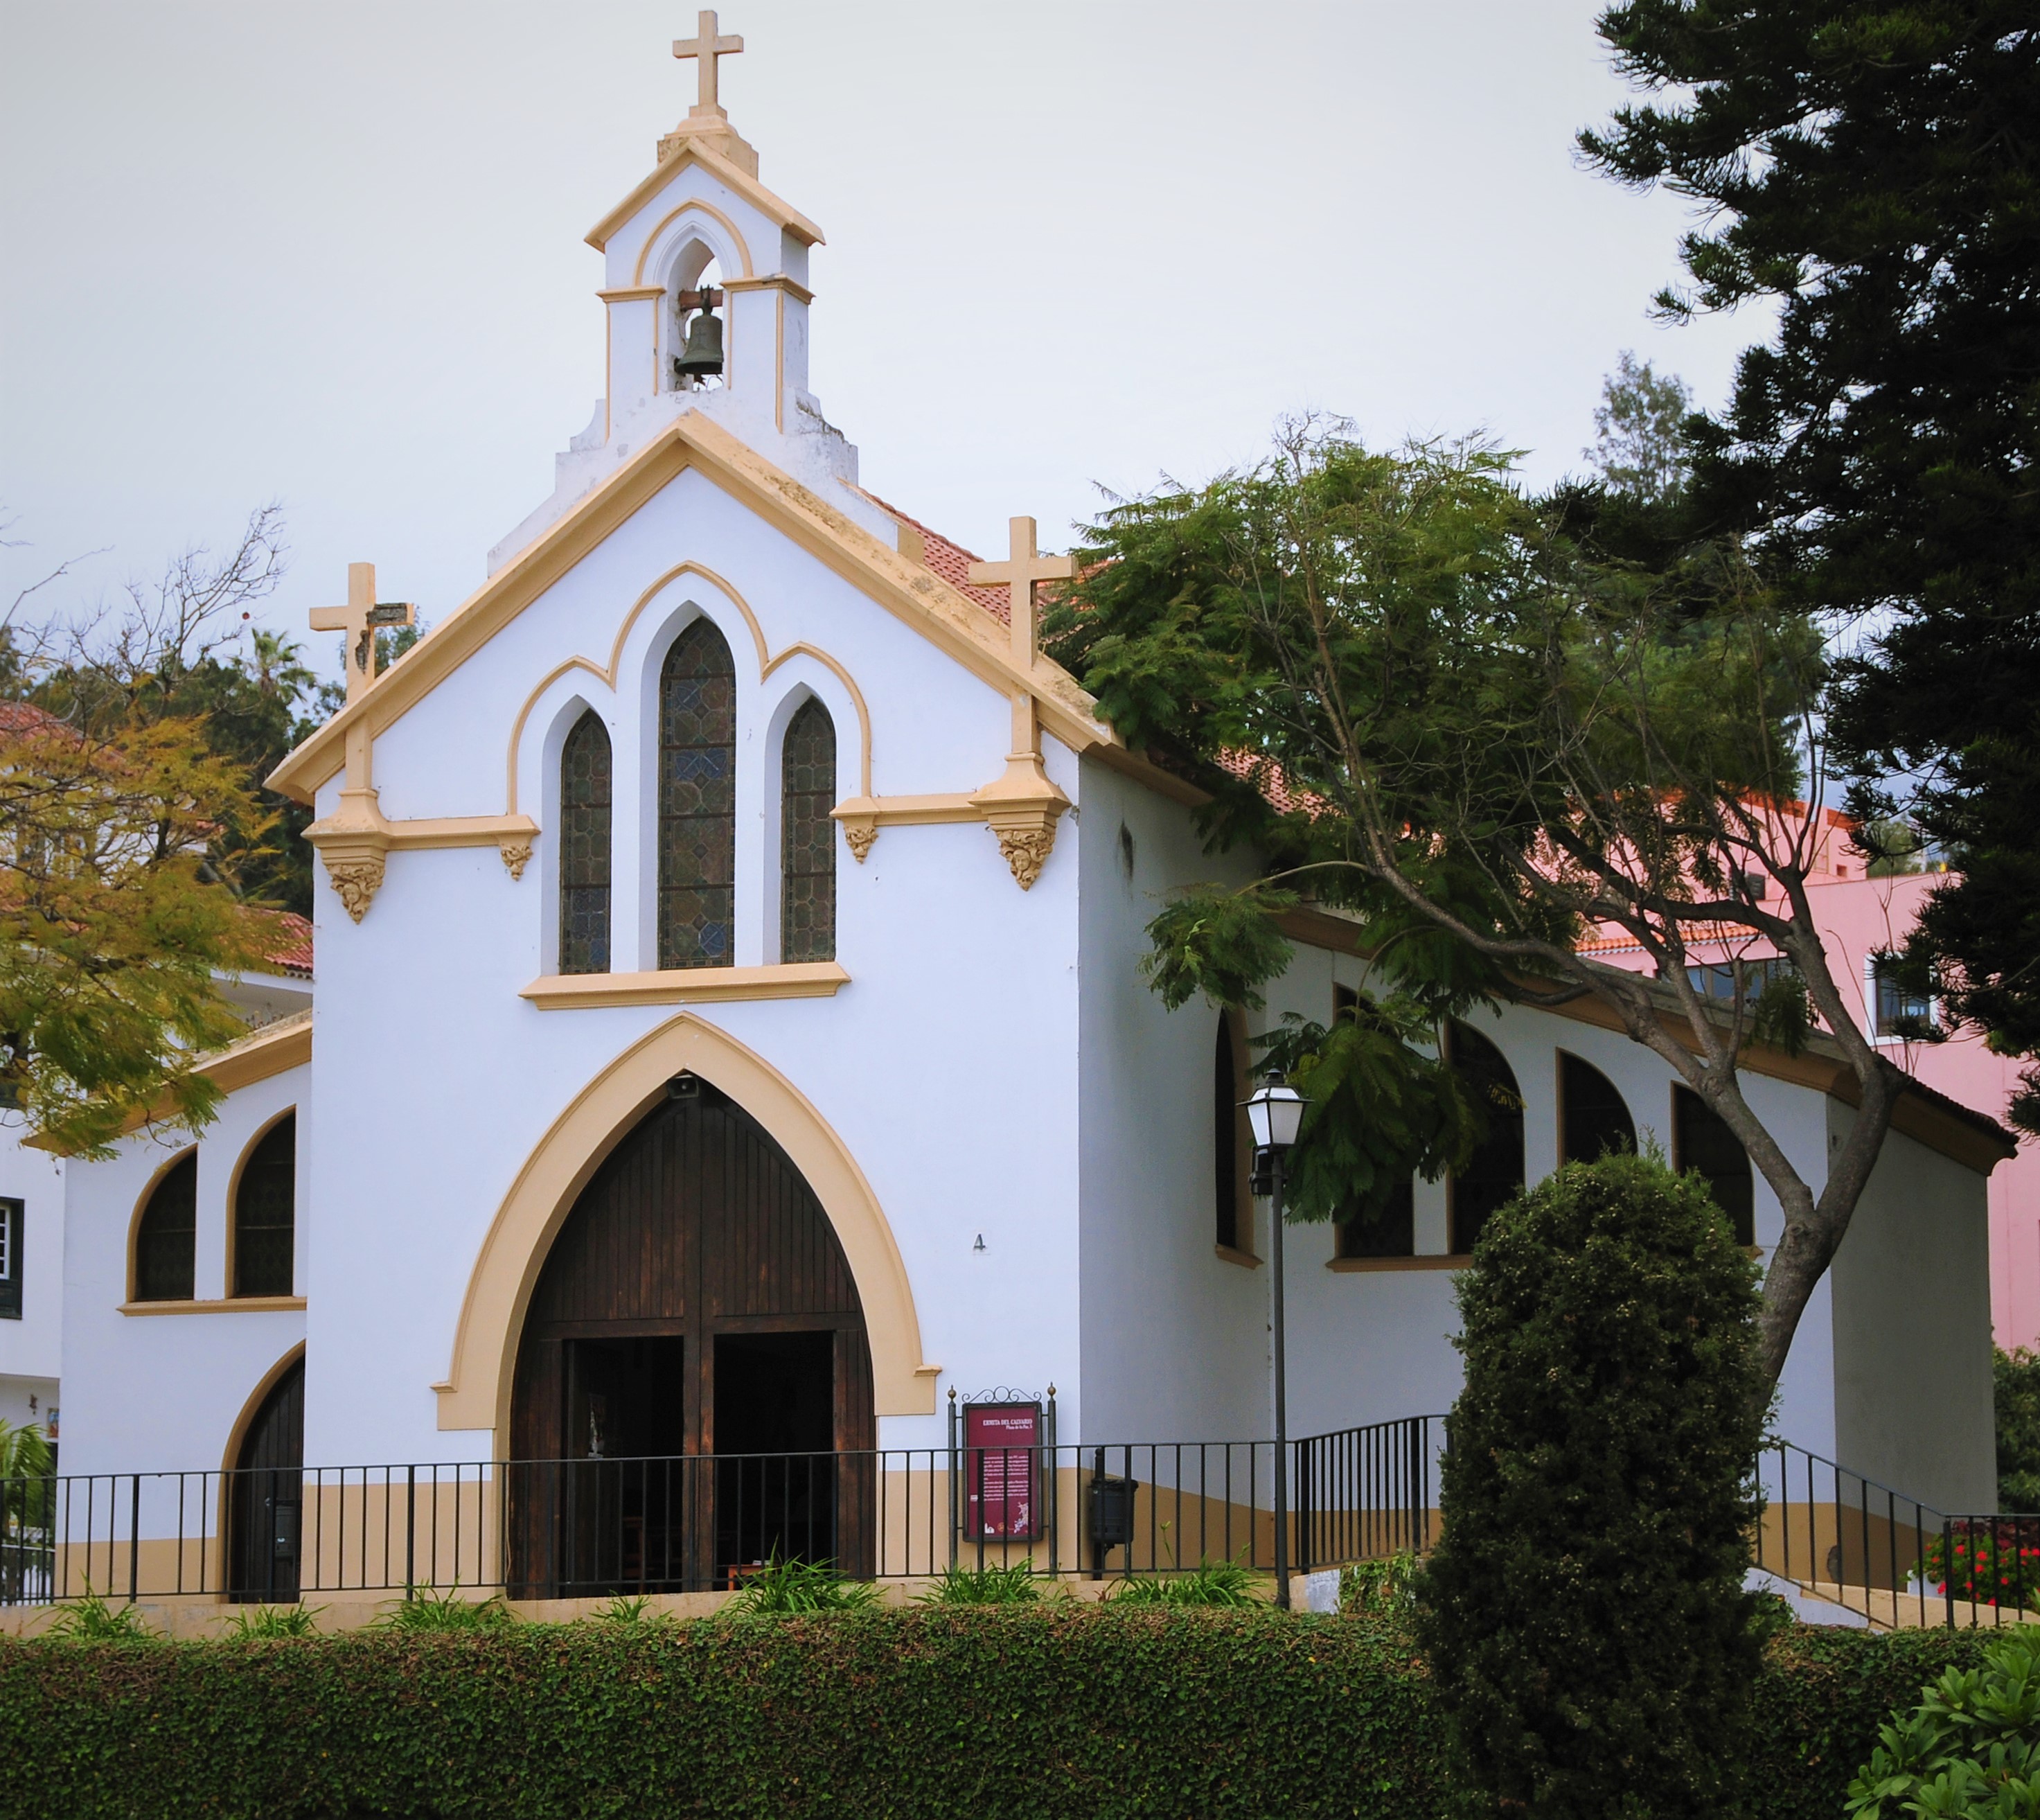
x=702 y=356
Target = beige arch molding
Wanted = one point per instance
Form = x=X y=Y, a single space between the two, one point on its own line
x=696 y=206
x=766 y=665
x=477 y=1391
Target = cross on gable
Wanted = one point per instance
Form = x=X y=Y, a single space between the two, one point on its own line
x=1023 y=567
x=707 y=48
x=360 y=619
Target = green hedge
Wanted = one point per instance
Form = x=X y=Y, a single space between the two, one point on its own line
x=999 y=1713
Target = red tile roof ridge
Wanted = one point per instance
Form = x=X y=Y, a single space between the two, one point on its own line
x=949 y=560
x=26 y=717
x=291 y=951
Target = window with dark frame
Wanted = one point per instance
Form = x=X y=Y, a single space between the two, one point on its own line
x=166 y=1237
x=1594 y=1119
x=807 y=837
x=1494 y=1174
x=697 y=801
x=265 y=1214
x=13 y=1216
x=1392 y=1231
x=1702 y=1142
x=1901 y=1012
x=1230 y=1143
x=586 y=795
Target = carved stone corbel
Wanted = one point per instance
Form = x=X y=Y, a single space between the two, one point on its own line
x=859 y=819
x=516 y=851
x=352 y=842
x=1021 y=807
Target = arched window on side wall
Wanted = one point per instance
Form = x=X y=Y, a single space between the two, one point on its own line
x=166 y=1237
x=698 y=801
x=1594 y=1117
x=1232 y=1141
x=807 y=837
x=1702 y=1141
x=1391 y=1232
x=265 y=1213
x=1494 y=1174
x=584 y=819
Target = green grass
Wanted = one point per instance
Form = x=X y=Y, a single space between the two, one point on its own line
x=793 y=1588
x=425 y=1610
x=1014 y=1584
x=265 y=1623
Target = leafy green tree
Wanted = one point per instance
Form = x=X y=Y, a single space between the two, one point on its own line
x=1583 y=1614
x=1484 y=727
x=1870 y=167
x=1640 y=447
x=114 y=922
x=2015 y=1381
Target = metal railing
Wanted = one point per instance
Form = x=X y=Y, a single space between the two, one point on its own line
x=1885 y=1555
x=589 y=1527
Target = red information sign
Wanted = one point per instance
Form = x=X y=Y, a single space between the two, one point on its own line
x=1000 y=1440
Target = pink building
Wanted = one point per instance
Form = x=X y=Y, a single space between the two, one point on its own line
x=1860 y=916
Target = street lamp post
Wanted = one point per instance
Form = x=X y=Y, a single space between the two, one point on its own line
x=1274 y=1112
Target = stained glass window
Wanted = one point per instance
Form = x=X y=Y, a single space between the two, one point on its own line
x=167 y=1242
x=697 y=800
x=584 y=800
x=266 y=1213
x=807 y=837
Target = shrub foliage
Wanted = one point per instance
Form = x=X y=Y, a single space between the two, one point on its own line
x=1584 y=1614
x=1061 y=1710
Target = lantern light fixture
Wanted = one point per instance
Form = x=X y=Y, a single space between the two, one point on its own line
x=1275 y=1112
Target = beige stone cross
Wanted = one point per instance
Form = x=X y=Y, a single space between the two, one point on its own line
x=360 y=619
x=1021 y=569
x=707 y=48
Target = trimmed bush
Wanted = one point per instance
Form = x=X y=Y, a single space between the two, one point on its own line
x=1057 y=1710
x=1584 y=1614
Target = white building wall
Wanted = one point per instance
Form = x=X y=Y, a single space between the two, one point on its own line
x=1175 y=1337
x=1912 y=1329
x=163 y=1392
x=31 y=1348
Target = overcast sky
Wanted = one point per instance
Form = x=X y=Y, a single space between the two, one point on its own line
x=332 y=254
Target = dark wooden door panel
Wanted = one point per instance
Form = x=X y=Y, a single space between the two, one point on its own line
x=698 y=1225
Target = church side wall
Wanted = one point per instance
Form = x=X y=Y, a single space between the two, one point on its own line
x=1912 y=1321
x=1175 y=1338
x=159 y=1392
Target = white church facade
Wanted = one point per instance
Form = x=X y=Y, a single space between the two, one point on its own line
x=729 y=1035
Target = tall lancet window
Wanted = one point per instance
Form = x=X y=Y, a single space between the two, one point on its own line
x=807 y=837
x=697 y=800
x=584 y=802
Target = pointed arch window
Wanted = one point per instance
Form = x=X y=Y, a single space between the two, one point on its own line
x=1594 y=1117
x=807 y=837
x=1702 y=1141
x=166 y=1239
x=265 y=1213
x=584 y=827
x=1232 y=1140
x=697 y=801
x=1494 y=1174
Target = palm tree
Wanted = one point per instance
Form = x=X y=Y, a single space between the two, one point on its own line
x=278 y=665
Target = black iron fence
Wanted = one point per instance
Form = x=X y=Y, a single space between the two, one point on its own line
x=1887 y=1556
x=590 y=1527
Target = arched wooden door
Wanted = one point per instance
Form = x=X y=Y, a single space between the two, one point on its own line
x=693 y=1364
x=265 y=1501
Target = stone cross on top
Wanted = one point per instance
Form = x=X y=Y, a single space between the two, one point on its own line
x=705 y=46
x=360 y=618
x=1021 y=570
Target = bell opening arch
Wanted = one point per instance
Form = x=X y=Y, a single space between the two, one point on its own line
x=478 y=1391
